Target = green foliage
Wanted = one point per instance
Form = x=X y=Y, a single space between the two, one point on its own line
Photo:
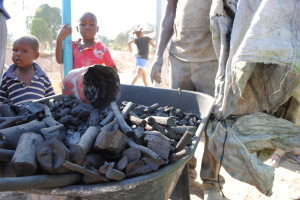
x=45 y=24
x=121 y=41
x=40 y=29
x=52 y=16
x=103 y=39
x=28 y=22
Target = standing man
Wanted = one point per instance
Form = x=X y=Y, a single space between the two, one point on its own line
x=3 y=35
x=194 y=64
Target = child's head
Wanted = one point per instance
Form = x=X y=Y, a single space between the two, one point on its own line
x=25 y=51
x=87 y=25
x=139 y=31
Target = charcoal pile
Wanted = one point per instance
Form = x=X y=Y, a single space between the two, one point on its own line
x=69 y=138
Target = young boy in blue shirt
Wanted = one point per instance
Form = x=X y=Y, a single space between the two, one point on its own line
x=25 y=80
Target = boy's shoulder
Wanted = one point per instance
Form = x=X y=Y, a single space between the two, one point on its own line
x=10 y=71
x=145 y=38
x=99 y=45
x=39 y=70
x=76 y=41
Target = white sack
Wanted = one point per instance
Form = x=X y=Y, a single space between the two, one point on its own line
x=258 y=51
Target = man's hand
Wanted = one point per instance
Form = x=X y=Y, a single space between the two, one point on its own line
x=156 y=69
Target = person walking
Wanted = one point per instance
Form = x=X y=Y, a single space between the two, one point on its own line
x=194 y=64
x=142 y=42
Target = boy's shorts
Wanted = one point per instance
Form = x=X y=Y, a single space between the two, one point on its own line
x=141 y=62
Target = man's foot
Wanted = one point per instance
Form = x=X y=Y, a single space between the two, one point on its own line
x=212 y=195
x=192 y=169
x=275 y=160
x=192 y=176
x=298 y=158
x=295 y=157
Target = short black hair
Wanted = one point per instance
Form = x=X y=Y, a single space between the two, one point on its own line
x=88 y=13
x=34 y=42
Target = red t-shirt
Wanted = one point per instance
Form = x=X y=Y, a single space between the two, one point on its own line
x=96 y=54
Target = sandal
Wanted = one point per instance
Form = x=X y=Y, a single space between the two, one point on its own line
x=295 y=157
x=275 y=159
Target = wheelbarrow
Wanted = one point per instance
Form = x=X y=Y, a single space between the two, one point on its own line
x=157 y=185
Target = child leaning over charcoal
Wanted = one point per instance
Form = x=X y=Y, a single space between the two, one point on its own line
x=25 y=80
x=86 y=50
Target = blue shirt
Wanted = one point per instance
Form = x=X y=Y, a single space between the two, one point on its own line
x=2 y=9
x=18 y=92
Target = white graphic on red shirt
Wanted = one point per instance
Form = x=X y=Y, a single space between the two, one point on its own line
x=99 y=53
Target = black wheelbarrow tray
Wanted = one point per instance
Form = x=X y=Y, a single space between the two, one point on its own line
x=157 y=185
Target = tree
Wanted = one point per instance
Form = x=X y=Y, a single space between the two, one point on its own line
x=103 y=39
x=28 y=22
x=52 y=16
x=40 y=29
x=9 y=40
x=121 y=41
x=49 y=18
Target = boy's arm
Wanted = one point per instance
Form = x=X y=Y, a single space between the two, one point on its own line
x=62 y=34
x=129 y=45
x=108 y=61
x=152 y=43
x=49 y=91
x=3 y=89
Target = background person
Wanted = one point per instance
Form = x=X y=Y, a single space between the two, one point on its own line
x=142 y=42
x=194 y=64
x=289 y=111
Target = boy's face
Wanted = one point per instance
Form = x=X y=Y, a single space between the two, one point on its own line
x=87 y=27
x=23 y=53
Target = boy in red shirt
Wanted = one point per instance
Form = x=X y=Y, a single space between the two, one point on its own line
x=86 y=51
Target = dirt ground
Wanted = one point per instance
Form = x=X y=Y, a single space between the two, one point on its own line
x=287 y=176
x=285 y=187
